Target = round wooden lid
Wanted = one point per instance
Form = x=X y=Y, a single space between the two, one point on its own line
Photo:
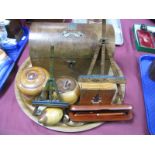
x=66 y=84
x=31 y=80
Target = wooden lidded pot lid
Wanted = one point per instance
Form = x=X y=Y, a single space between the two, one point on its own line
x=31 y=80
x=68 y=88
x=66 y=84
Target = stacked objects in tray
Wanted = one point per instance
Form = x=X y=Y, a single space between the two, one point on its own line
x=11 y=51
x=144 y=37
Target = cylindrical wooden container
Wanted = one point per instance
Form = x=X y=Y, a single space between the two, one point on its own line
x=31 y=81
x=69 y=89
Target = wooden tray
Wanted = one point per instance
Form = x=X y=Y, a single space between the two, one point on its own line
x=28 y=109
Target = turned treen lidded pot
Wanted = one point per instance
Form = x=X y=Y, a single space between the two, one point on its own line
x=31 y=81
x=68 y=88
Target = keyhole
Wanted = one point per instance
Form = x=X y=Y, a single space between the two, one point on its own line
x=71 y=63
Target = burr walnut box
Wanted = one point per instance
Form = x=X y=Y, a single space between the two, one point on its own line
x=74 y=46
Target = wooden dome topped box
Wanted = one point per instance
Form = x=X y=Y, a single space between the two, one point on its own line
x=74 y=46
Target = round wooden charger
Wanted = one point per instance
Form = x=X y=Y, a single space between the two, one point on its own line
x=27 y=108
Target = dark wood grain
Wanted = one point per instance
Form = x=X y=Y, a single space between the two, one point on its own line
x=86 y=96
x=94 y=113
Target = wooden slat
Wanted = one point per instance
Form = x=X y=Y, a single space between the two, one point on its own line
x=96 y=86
x=103 y=46
x=102 y=78
x=103 y=59
x=116 y=70
x=96 y=53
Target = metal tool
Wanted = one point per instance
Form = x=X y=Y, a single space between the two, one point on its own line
x=49 y=96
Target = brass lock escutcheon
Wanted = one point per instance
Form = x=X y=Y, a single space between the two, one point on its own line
x=71 y=63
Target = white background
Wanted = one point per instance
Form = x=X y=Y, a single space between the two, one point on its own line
x=81 y=145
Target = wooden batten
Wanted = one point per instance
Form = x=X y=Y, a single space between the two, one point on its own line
x=96 y=86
